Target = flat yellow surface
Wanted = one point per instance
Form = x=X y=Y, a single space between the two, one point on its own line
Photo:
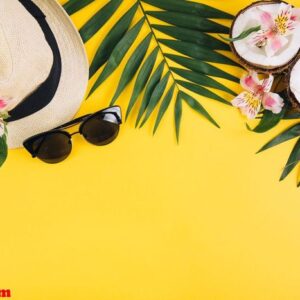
x=146 y=219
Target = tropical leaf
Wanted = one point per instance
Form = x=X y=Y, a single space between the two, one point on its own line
x=178 y=115
x=155 y=97
x=291 y=115
x=285 y=136
x=132 y=66
x=188 y=21
x=292 y=161
x=3 y=150
x=194 y=104
x=192 y=36
x=198 y=89
x=268 y=121
x=201 y=67
x=73 y=6
x=142 y=79
x=152 y=83
x=202 y=80
x=243 y=35
x=197 y=51
x=112 y=39
x=294 y=158
x=187 y=32
x=164 y=106
x=201 y=10
x=118 y=54
x=99 y=19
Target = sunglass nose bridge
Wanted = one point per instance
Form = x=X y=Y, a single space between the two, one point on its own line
x=74 y=133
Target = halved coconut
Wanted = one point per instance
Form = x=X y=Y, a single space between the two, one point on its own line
x=255 y=57
x=293 y=89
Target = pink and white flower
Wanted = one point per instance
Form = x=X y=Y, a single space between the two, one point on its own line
x=257 y=93
x=274 y=31
x=4 y=103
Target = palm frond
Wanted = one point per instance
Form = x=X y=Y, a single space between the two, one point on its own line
x=3 y=149
x=289 y=134
x=189 y=31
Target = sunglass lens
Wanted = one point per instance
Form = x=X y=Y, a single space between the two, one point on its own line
x=52 y=148
x=100 y=130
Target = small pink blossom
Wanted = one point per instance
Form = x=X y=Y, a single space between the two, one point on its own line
x=274 y=31
x=257 y=93
x=3 y=105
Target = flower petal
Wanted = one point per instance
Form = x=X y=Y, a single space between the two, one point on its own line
x=250 y=82
x=274 y=44
x=285 y=11
x=273 y=102
x=248 y=103
x=240 y=100
x=295 y=15
x=285 y=21
x=3 y=104
x=267 y=83
x=266 y=19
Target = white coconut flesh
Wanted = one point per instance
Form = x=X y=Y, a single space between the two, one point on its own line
x=295 y=81
x=255 y=55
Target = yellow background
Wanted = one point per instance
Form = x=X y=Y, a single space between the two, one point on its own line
x=147 y=219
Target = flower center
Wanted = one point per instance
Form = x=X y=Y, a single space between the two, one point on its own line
x=281 y=24
x=253 y=100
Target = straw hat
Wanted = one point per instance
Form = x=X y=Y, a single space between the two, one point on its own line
x=43 y=67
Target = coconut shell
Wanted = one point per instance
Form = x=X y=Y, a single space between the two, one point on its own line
x=256 y=67
x=290 y=95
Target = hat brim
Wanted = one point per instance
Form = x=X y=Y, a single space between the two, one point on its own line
x=73 y=82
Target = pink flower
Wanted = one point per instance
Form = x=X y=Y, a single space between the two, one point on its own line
x=273 y=32
x=3 y=105
x=257 y=93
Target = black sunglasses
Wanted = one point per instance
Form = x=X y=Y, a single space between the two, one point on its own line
x=54 y=146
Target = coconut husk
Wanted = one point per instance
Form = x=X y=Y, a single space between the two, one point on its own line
x=290 y=95
x=256 y=67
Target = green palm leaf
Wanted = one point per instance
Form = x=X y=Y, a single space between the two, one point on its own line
x=178 y=115
x=132 y=66
x=99 y=19
x=112 y=39
x=152 y=83
x=118 y=54
x=199 y=52
x=188 y=21
x=142 y=79
x=73 y=6
x=292 y=161
x=289 y=134
x=201 y=67
x=188 y=32
x=194 y=104
x=155 y=97
x=202 y=91
x=202 y=10
x=202 y=80
x=268 y=121
x=3 y=150
x=285 y=136
x=164 y=106
x=192 y=36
